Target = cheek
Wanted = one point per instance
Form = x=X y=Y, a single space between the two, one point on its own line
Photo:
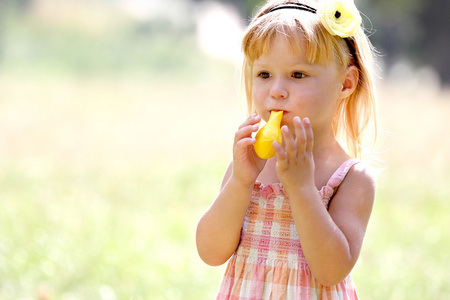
x=315 y=104
x=257 y=91
x=323 y=97
x=258 y=97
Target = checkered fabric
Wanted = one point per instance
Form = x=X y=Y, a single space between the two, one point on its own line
x=269 y=262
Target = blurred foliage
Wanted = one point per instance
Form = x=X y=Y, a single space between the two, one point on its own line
x=49 y=44
x=411 y=30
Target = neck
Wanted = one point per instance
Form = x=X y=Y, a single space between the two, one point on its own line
x=326 y=147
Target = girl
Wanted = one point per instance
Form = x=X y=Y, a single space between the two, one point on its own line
x=292 y=225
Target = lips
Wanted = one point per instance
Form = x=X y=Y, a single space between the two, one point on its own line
x=284 y=112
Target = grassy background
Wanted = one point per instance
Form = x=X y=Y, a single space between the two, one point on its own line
x=113 y=142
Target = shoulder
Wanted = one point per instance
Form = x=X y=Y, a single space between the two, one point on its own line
x=361 y=183
x=357 y=190
x=361 y=176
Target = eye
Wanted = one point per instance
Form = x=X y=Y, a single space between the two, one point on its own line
x=264 y=75
x=298 y=75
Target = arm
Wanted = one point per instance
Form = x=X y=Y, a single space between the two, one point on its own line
x=219 y=229
x=331 y=240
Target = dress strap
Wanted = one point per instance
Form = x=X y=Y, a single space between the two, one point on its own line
x=339 y=175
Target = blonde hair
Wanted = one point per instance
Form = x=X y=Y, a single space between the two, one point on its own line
x=356 y=113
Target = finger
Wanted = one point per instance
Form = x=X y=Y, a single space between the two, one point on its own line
x=300 y=135
x=309 y=135
x=253 y=119
x=245 y=143
x=291 y=148
x=280 y=154
x=245 y=132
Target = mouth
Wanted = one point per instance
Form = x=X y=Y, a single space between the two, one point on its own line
x=278 y=110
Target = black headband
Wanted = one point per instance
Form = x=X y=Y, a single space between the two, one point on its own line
x=299 y=6
x=291 y=5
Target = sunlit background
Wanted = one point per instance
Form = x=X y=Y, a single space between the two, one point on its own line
x=116 y=124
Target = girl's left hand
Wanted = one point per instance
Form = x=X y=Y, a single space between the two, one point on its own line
x=295 y=162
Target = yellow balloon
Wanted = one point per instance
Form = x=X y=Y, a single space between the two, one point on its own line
x=269 y=133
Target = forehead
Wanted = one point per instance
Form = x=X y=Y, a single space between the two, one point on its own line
x=262 y=41
x=281 y=50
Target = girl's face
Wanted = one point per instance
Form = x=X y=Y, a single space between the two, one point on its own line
x=285 y=81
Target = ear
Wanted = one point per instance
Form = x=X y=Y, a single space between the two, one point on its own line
x=349 y=81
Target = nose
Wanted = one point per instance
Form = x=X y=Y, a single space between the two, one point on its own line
x=278 y=89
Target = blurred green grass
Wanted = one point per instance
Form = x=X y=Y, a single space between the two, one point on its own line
x=108 y=160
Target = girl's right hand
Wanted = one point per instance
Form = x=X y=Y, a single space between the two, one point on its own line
x=246 y=163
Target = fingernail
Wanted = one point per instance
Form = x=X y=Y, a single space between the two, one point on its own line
x=307 y=121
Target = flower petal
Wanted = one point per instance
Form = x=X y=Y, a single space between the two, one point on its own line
x=344 y=24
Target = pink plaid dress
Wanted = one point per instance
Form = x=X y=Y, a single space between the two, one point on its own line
x=269 y=261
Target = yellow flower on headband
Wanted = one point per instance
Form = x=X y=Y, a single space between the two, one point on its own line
x=340 y=17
